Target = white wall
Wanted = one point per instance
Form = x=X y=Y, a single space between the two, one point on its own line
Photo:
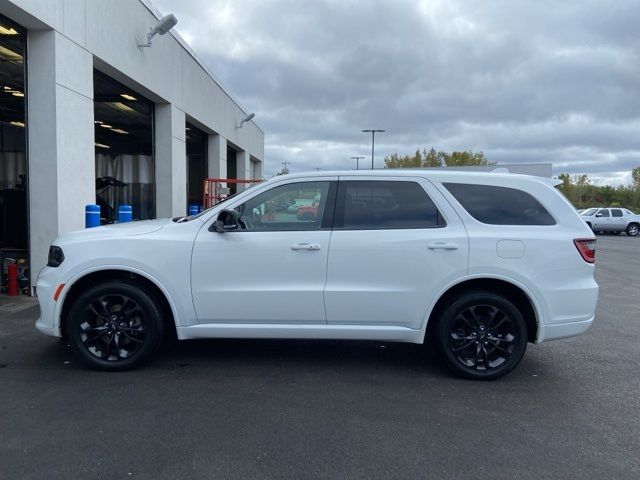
x=66 y=40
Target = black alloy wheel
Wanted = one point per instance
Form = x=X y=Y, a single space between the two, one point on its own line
x=482 y=336
x=114 y=326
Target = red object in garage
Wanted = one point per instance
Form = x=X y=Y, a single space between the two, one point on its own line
x=13 y=287
x=214 y=192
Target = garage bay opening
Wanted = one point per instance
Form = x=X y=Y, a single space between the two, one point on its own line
x=125 y=172
x=13 y=157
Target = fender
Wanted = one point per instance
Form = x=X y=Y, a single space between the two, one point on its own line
x=124 y=268
x=491 y=276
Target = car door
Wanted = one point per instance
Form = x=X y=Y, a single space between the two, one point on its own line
x=602 y=220
x=392 y=251
x=273 y=268
x=617 y=220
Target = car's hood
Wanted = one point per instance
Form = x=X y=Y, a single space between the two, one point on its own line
x=127 y=229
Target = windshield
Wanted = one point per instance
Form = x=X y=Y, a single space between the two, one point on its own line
x=589 y=212
x=191 y=217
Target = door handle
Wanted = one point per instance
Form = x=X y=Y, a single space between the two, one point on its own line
x=442 y=246
x=305 y=246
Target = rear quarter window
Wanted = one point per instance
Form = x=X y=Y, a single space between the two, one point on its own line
x=500 y=205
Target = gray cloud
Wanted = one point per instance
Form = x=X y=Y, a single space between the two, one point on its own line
x=542 y=81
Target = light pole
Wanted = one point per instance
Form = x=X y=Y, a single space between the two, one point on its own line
x=373 y=141
x=357 y=159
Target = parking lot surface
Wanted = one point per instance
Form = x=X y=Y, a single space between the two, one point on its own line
x=302 y=409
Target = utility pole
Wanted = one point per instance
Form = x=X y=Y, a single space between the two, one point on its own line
x=373 y=141
x=357 y=159
x=286 y=164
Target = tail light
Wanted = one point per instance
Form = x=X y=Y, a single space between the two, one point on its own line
x=587 y=248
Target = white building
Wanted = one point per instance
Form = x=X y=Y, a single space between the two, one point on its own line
x=80 y=100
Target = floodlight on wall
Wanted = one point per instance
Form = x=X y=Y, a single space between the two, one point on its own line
x=246 y=119
x=165 y=24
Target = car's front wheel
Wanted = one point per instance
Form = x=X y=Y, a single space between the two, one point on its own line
x=481 y=335
x=633 y=230
x=115 y=325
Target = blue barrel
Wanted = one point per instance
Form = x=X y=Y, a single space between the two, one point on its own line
x=125 y=213
x=194 y=209
x=92 y=216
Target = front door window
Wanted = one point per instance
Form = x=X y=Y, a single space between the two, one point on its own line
x=295 y=206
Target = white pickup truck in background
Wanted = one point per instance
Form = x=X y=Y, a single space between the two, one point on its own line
x=614 y=220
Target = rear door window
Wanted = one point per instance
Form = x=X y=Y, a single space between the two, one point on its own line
x=500 y=205
x=615 y=212
x=378 y=204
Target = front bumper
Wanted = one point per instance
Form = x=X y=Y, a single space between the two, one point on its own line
x=45 y=288
x=45 y=327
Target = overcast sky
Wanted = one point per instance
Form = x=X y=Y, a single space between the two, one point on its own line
x=531 y=81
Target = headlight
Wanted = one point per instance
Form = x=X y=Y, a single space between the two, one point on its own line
x=56 y=257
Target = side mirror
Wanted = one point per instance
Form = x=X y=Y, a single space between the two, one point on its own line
x=599 y=214
x=227 y=221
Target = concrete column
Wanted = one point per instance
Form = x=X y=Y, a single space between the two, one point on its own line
x=258 y=172
x=171 y=161
x=61 y=139
x=217 y=156
x=243 y=168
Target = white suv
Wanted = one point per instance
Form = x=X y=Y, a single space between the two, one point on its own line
x=480 y=263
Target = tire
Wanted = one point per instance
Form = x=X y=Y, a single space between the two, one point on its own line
x=481 y=335
x=125 y=322
x=633 y=229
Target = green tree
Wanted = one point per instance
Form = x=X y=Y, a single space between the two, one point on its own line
x=635 y=177
x=433 y=158
x=581 y=180
x=579 y=190
x=565 y=178
x=466 y=158
x=406 y=161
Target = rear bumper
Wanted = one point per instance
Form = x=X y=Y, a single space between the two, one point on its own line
x=563 y=330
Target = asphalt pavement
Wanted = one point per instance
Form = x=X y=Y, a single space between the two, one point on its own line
x=311 y=409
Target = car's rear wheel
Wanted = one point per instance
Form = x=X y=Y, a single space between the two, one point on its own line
x=115 y=325
x=633 y=229
x=481 y=335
